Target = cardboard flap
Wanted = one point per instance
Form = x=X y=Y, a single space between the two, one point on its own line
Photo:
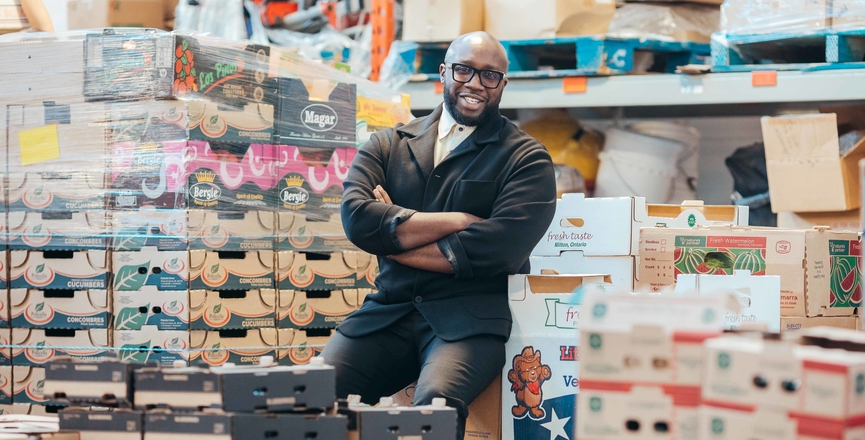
x=350 y=296
x=562 y=284
x=352 y=260
x=801 y=138
x=98 y=337
x=285 y=221
x=286 y=336
x=98 y=298
x=268 y=297
x=266 y=259
x=16 y=220
x=269 y=336
x=286 y=297
x=285 y=260
x=17 y=297
x=197 y=260
x=197 y=339
x=266 y=220
x=21 y=374
x=21 y=335
x=195 y=220
x=97 y=259
x=197 y=299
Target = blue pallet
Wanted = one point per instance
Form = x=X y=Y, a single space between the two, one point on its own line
x=807 y=51
x=570 y=56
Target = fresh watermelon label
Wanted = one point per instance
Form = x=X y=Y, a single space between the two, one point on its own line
x=719 y=255
x=845 y=285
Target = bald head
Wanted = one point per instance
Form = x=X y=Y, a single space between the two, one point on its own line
x=480 y=46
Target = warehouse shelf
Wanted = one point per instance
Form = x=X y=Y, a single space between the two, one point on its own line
x=667 y=90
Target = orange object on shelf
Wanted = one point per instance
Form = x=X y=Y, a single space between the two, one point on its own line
x=382 y=34
x=273 y=12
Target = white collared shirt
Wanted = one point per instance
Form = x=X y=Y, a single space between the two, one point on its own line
x=451 y=135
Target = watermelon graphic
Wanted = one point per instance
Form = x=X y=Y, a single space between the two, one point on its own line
x=845 y=281
x=750 y=260
x=690 y=260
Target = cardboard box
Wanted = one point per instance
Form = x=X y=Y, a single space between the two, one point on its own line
x=441 y=20
x=428 y=421
x=310 y=185
x=230 y=177
x=6 y=383
x=233 y=388
x=819 y=269
x=232 y=310
x=790 y=323
x=733 y=424
x=610 y=226
x=180 y=426
x=221 y=346
x=366 y=277
x=339 y=270
x=128 y=64
x=162 y=229
x=262 y=426
x=317 y=113
x=316 y=309
x=29 y=385
x=57 y=230
x=5 y=353
x=106 y=383
x=252 y=122
x=232 y=231
x=304 y=345
x=166 y=310
x=165 y=347
x=759 y=297
x=226 y=73
x=44 y=345
x=32 y=74
x=60 y=309
x=4 y=309
x=541 y=372
x=806 y=171
x=639 y=412
x=839 y=221
x=297 y=233
x=58 y=191
x=24 y=409
x=90 y=14
x=64 y=270
x=847 y=15
x=794 y=16
x=165 y=270
x=621 y=269
x=547 y=18
x=119 y=425
x=146 y=124
x=79 y=130
x=147 y=174
x=219 y=270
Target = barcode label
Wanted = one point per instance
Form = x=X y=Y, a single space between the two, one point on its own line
x=126 y=201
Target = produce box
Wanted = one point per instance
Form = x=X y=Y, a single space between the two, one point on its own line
x=759 y=297
x=60 y=309
x=230 y=177
x=318 y=113
x=303 y=344
x=806 y=169
x=310 y=182
x=43 y=345
x=339 y=270
x=610 y=226
x=65 y=270
x=231 y=231
x=620 y=269
x=223 y=346
x=232 y=310
x=164 y=229
x=547 y=18
x=149 y=344
x=166 y=310
x=227 y=270
x=431 y=20
x=128 y=63
x=317 y=308
x=57 y=230
x=164 y=270
x=819 y=269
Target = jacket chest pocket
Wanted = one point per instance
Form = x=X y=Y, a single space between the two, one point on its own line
x=475 y=197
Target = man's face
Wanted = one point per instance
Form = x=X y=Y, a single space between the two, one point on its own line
x=471 y=103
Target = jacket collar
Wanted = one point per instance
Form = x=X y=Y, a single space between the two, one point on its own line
x=422 y=133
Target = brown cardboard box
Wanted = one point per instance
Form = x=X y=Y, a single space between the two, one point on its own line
x=84 y=14
x=848 y=14
x=441 y=20
x=840 y=221
x=520 y=19
x=485 y=413
x=848 y=322
x=753 y=17
x=819 y=269
x=805 y=169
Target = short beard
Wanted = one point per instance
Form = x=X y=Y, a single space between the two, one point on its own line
x=492 y=108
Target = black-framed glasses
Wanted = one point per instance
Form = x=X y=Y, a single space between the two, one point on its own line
x=463 y=74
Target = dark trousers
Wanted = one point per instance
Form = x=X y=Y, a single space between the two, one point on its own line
x=384 y=362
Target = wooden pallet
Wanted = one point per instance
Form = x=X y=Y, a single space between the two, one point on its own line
x=571 y=56
x=823 y=50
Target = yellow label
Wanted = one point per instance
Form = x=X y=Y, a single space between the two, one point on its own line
x=382 y=113
x=39 y=145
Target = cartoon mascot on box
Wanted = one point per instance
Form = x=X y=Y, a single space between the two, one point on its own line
x=527 y=376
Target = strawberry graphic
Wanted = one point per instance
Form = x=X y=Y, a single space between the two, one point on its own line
x=184 y=70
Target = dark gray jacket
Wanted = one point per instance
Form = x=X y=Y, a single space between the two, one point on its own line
x=499 y=173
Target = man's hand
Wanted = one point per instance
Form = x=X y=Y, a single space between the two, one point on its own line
x=381 y=195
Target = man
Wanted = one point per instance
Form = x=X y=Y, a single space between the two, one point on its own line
x=452 y=203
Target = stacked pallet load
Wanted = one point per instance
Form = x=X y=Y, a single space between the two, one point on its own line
x=156 y=211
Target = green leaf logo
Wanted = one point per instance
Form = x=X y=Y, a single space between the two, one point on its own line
x=128 y=278
x=692 y=221
x=595 y=341
x=303 y=346
x=216 y=346
x=40 y=345
x=37 y=229
x=302 y=270
x=175 y=341
x=185 y=45
x=40 y=268
x=173 y=262
x=40 y=306
x=217 y=308
x=130 y=318
x=215 y=268
x=173 y=304
x=38 y=191
x=301 y=231
x=595 y=404
x=717 y=426
x=135 y=353
x=214 y=230
x=40 y=384
x=723 y=361
x=302 y=308
x=214 y=119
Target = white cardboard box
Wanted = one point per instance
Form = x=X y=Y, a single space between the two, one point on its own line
x=621 y=269
x=759 y=297
x=164 y=270
x=137 y=346
x=165 y=309
x=610 y=226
